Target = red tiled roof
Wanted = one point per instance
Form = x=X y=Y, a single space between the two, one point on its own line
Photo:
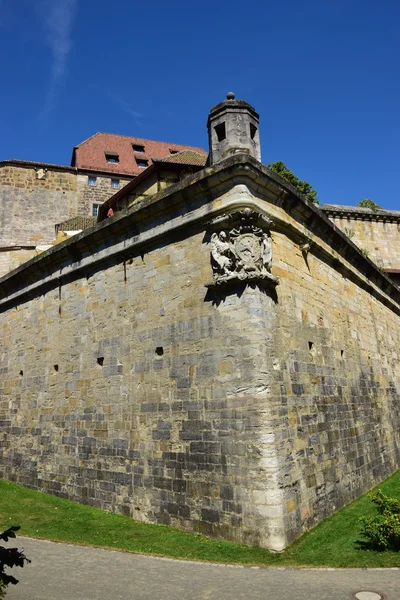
x=91 y=154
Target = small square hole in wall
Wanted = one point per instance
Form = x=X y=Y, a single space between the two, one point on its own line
x=100 y=360
x=159 y=351
x=253 y=131
x=55 y=368
x=21 y=373
x=342 y=354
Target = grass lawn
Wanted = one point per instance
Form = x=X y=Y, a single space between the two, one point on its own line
x=333 y=543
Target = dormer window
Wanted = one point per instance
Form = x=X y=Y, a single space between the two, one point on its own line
x=138 y=148
x=142 y=163
x=112 y=157
x=172 y=151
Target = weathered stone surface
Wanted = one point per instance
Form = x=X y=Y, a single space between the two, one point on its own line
x=96 y=194
x=25 y=199
x=232 y=128
x=378 y=234
x=33 y=200
x=245 y=413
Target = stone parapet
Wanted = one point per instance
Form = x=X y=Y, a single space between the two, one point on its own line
x=376 y=233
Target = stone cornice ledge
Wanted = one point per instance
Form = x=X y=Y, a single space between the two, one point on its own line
x=193 y=202
x=359 y=213
x=107 y=254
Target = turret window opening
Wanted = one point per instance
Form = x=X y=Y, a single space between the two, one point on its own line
x=220 y=131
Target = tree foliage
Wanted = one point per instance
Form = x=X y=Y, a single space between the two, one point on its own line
x=368 y=203
x=9 y=557
x=303 y=187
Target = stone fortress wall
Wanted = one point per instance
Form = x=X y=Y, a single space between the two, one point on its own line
x=377 y=233
x=26 y=199
x=246 y=410
x=30 y=207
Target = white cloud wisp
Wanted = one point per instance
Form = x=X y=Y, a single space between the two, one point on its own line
x=57 y=18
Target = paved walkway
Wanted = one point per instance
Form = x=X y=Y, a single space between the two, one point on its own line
x=66 y=572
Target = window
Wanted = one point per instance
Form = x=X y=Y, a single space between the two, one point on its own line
x=138 y=148
x=142 y=163
x=171 y=151
x=220 y=131
x=253 y=131
x=115 y=183
x=112 y=158
x=92 y=181
x=95 y=209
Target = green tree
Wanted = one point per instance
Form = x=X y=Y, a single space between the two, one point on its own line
x=303 y=187
x=368 y=203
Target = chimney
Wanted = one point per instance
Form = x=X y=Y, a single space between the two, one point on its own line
x=232 y=128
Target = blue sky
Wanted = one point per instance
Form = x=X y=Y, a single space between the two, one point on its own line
x=324 y=77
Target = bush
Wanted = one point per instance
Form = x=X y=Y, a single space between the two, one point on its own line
x=9 y=557
x=383 y=530
x=368 y=203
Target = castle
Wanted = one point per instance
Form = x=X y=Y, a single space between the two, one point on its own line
x=42 y=204
x=214 y=354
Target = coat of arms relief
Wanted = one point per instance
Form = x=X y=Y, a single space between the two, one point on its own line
x=241 y=248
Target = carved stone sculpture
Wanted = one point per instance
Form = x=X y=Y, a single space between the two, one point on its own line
x=241 y=248
x=221 y=253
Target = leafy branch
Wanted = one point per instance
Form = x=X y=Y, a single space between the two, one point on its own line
x=303 y=187
x=9 y=557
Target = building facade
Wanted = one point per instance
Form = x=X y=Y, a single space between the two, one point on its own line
x=36 y=197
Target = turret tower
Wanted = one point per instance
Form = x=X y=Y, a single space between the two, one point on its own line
x=232 y=128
